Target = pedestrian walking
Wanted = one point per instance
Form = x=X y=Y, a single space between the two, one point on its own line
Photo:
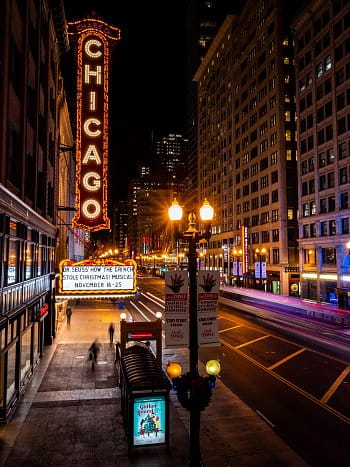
x=69 y=315
x=94 y=350
x=111 y=333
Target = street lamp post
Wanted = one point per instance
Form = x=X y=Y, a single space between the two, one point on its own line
x=193 y=236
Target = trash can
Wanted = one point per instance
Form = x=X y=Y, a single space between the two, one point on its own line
x=144 y=398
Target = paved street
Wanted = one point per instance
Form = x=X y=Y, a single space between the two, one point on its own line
x=71 y=416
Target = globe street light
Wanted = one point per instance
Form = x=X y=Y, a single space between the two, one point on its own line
x=194 y=391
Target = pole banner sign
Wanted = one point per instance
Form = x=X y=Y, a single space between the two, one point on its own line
x=176 y=309
x=93 y=43
x=207 y=306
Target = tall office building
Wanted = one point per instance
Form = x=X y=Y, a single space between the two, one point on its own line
x=170 y=154
x=33 y=39
x=322 y=37
x=247 y=164
x=120 y=228
x=148 y=201
x=204 y=17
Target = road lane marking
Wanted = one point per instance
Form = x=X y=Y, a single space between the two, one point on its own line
x=335 y=385
x=151 y=311
x=232 y=327
x=265 y=418
x=155 y=296
x=285 y=359
x=326 y=407
x=252 y=341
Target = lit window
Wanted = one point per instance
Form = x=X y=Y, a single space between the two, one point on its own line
x=288 y=135
x=287 y=115
x=290 y=214
x=328 y=63
x=286 y=60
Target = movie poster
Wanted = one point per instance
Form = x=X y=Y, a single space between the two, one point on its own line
x=149 y=420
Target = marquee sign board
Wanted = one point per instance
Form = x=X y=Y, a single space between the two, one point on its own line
x=94 y=40
x=97 y=277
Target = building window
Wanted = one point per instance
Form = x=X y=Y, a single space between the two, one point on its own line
x=344 y=200
x=324 y=228
x=275 y=235
x=306 y=209
x=264 y=181
x=274 y=177
x=343 y=150
x=323 y=205
x=332 y=227
x=313 y=231
x=313 y=210
x=274 y=158
x=331 y=203
x=343 y=175
x=265 y=236
x=275 y=255
x=310 y=256
x=345 y=225
x=274 y=215
x=329 y=255
x=265 y=218
x=12 y=268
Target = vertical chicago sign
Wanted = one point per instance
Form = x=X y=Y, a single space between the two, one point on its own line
x=93 y=43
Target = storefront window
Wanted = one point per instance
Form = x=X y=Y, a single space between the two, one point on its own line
x=25 y=353
x=329 y=255
x=12 y=262
x=36 y=341
x=11 y=372
x=2 y=379
x=39 y=261
x=29 y=256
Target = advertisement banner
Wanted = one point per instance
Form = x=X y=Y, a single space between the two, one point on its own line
x=176 y=309
x=149 y=425
x=207 y=307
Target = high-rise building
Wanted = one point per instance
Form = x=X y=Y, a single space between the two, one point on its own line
x=322 y=38
x=170 y=154
x=148 y=201
x=33 y=38
x=204 y=17
x=120 y=228
x=247 y=165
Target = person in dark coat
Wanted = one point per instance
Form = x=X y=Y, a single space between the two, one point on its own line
x=69 y=315
x=93 y=353
x=111 y=332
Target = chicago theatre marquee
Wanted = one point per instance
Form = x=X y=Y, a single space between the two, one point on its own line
x=93 y=40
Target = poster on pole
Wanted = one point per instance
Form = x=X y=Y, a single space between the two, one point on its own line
x=176 y=309
x=207 y=307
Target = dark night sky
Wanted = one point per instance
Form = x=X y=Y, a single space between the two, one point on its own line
x=148 y=79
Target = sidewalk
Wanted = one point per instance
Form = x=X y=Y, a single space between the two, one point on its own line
x=71 y=416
